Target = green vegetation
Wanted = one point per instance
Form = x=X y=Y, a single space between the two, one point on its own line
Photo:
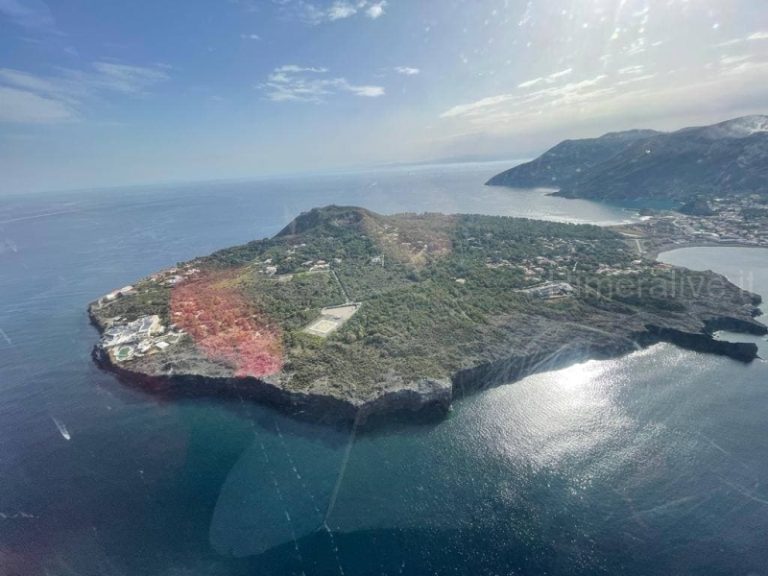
x=295 y=301
x=150 y=298
x=437 y=293
x=416 y=320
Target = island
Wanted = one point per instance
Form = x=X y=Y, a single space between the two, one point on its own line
x=347 y=314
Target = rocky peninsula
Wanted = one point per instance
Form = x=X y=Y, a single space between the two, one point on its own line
x=346 y=314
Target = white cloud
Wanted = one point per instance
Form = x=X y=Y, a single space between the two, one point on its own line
x=730 y=60
x=545 y=79
x=341 y=10
x=125 y=78
x=294 y=68
x=560 y=74
x=532 y=101
x=292 y=83
x=368 y=91
x=28 y=81
x=375 y=10
x=529 y=83
x=608 y=100
x=250 y=37
x=635 y=79
x=755 y=36
x=637 y=69
x=731 y=42
x=475 y=107
x=318 y=11
x=31 y=14
x=746 y=67
x=407 y=70
x=61 y=97
x=24 y=106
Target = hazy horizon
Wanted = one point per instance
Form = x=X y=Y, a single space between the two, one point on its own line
x=95 y=95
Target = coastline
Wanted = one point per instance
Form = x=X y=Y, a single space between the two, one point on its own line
x=530 y=339
x=654 y=253
x=426 y=400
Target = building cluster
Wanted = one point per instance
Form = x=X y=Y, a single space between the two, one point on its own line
x=635 y=267
x=115 y=294
x=560 y=268
x=534 y=269
x=319 y=266
x=550 y=290
x=270 y=268
x=741 y=220
x=267 y=267
x=172 y=276
x=146 y=335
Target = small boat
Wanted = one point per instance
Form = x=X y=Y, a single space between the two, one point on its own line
x=62 y=429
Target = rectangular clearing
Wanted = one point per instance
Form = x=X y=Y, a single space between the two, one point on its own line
x=331 y=319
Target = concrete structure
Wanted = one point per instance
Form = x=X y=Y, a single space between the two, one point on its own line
x=331 y=319
x=550 y=290
x=124 y=291
x=138 y=333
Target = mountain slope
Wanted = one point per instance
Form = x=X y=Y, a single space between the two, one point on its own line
x=726 y=158
x=567 y=161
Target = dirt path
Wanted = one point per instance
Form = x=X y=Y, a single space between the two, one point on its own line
x=341 y=287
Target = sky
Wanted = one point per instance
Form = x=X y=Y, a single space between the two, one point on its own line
x=96 y=93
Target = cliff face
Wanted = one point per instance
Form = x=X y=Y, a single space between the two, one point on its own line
x=729 y=157
x=347 y=314
x=420 y=398
x=426 y=398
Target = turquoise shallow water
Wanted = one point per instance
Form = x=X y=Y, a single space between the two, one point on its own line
x=655 y=463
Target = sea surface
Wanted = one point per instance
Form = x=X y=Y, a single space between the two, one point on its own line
x=652 y=464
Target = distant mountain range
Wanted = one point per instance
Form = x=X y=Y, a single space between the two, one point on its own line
x=726 y=158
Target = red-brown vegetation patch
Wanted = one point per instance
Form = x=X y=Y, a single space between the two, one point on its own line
x=225 y=326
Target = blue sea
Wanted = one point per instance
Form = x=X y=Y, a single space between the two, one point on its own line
x=652 y=464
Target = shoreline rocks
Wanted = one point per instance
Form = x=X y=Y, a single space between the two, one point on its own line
x=426 y=399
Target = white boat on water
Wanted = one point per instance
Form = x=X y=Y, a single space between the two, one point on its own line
x=62 y=429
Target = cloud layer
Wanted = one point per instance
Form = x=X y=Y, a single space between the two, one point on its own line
x=33 y=15
x=34 y=98
x=292 y=83
x=407 y=70
x=319 y=12
x=618 y=64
